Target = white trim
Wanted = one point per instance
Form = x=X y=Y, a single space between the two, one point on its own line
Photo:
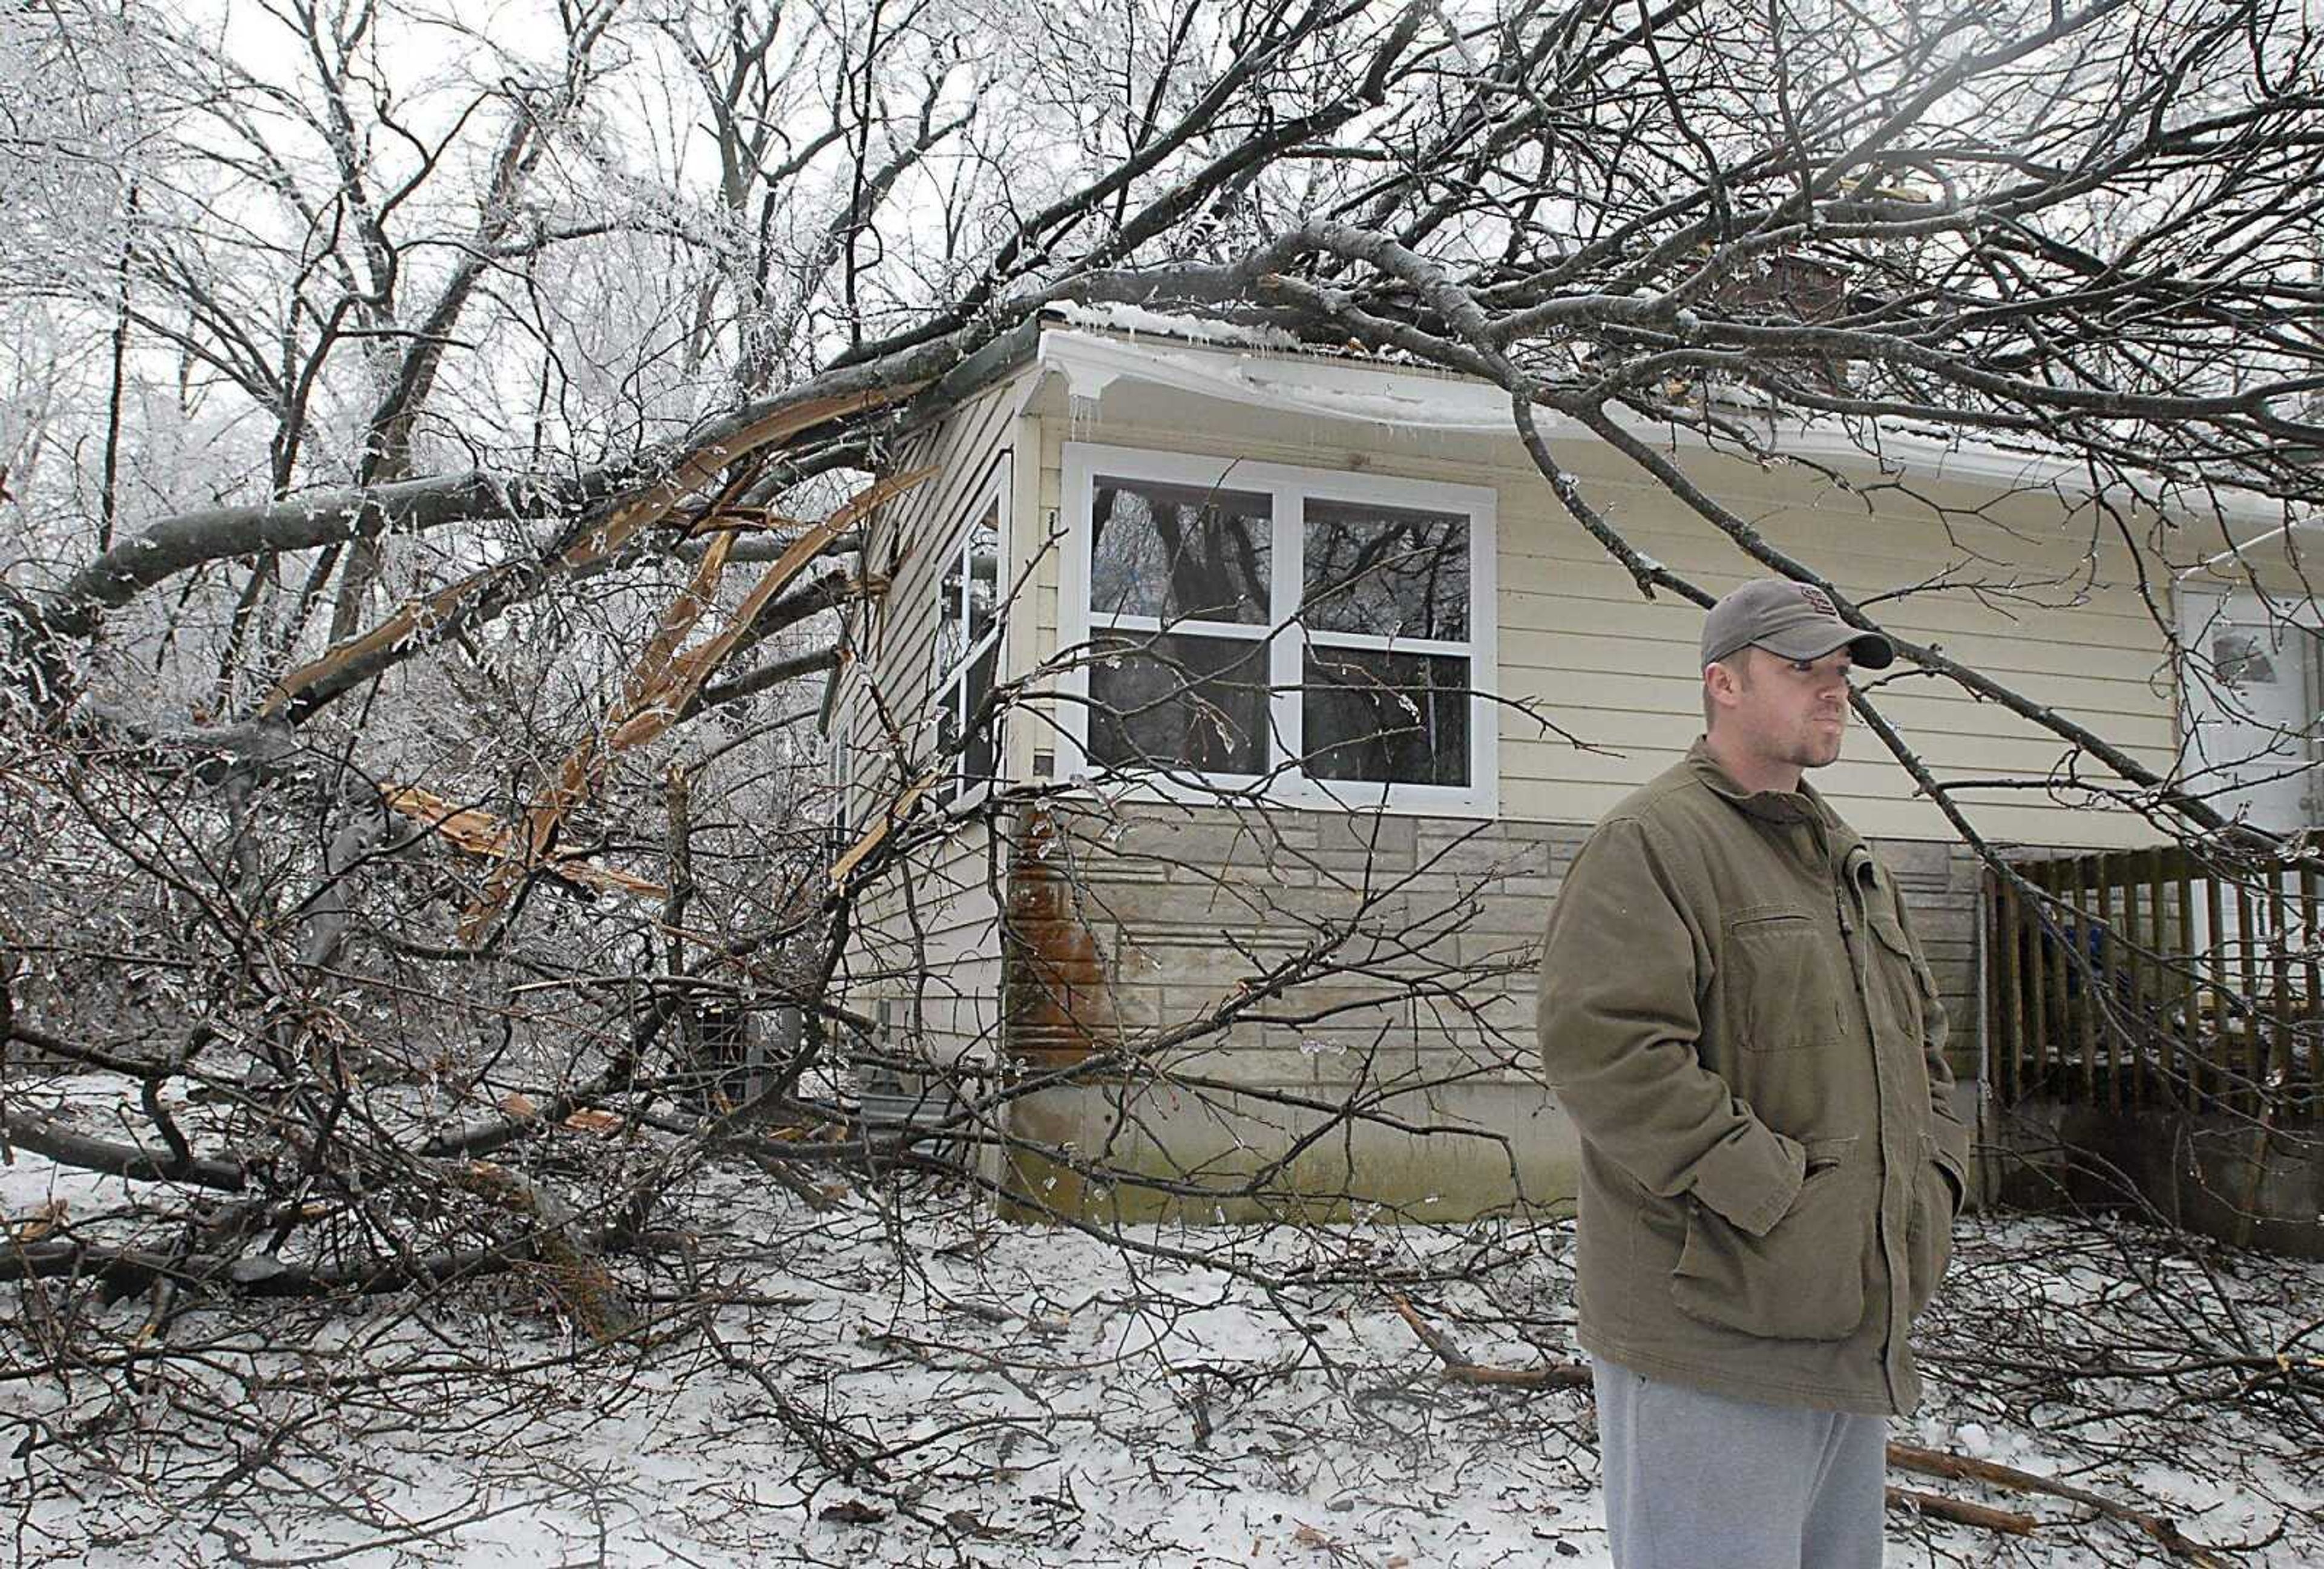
x=840 y=739
x=1028 y=541
x=996 y=495
x=992 y=497
x=1191 y=625
x=1372 y=641
x=1287 y=486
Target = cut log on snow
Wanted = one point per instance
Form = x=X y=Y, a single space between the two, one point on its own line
x=134 y=1162
x=574 y=1269
x=1961 y=1512
x=128 y=1270
x=1459 y=1369
x=1962 y=1468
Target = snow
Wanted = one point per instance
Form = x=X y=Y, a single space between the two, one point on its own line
x=1018 y=1395
x=1138 y=318
x=1398 y=398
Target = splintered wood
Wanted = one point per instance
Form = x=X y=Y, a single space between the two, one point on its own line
x=479 y=833
x=410 y=621
x=871 y=837
x=663 y=683
x=640 y=510
x=666 y=675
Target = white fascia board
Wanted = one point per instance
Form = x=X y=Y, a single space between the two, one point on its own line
x=1402 y=399
x=1408 y=401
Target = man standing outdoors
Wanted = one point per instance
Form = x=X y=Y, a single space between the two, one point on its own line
x=1736 y=1014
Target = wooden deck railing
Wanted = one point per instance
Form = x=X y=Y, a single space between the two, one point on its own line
x=2145 y=978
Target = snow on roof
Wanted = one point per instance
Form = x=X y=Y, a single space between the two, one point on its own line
x=1299 y=379
x=1135 y=319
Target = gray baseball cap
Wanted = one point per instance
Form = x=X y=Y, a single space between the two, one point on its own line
x=1795 y=619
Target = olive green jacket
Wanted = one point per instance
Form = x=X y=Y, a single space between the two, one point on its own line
x=1736 y=1014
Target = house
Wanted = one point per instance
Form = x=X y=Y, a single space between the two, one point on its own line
x=1230 y=711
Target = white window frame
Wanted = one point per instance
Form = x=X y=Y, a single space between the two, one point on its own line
x=1288 y=487
x=950 y=686
x=839 y=738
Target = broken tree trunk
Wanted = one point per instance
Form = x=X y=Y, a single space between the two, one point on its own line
x=661 y=687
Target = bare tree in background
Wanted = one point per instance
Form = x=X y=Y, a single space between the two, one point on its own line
x=435 y=476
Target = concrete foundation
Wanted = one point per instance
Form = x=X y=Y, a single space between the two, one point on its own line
x=2218 y=1175
x=1452 y=1155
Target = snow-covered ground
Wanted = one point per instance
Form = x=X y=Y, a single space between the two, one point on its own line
x=909 y=1381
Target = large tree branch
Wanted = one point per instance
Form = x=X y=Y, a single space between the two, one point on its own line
x=127 y=1269
x=133 y=1161
x=658 y=475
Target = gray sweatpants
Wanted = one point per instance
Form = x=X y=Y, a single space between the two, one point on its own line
x=1694 y=1479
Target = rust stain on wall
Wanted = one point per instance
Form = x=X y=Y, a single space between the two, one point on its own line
x=1056 y=988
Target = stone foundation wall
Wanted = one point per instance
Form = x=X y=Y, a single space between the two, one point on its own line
x=1284 y=972
x=2218 y=1176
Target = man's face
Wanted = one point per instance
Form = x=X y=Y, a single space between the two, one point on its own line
x=1787 y=713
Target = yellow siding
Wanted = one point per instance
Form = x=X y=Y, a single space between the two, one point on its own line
x=927 y=936
x=2071 y=633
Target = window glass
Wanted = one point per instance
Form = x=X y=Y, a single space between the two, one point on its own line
x=1175 y=701
x=969 y=600
x=974 y=761
x=2242 y=658
x=1385 y=718
x=1187 y=581
x=981 y=760
x=843 y=768
x=968 y=653
x=980 y=564
x=1387 y=572
x=1173 y=551
x=952 y=632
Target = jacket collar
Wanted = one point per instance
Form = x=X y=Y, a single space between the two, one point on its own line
x=1801 y=806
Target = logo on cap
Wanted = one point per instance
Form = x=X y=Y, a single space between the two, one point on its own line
x=1819 y=601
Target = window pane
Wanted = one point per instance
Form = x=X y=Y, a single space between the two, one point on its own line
x=1387 y=718
x=952 y=633
x=2242 y=658
x=974 y=759
x=980 y=761
x=1196 y=703
x=949 y=739
x=981 y=561
x=1171 y=551
x=969 y=596
x=1387 y=571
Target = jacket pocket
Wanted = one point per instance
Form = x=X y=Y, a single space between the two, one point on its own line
x=1913 y=986
x=1804 y=1279
x=1784 y=994
x=1928 y=1237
